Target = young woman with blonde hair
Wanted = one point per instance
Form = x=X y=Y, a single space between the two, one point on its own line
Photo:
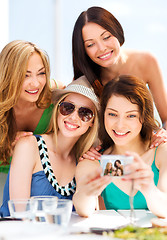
x=46 y=164
x=25 y=97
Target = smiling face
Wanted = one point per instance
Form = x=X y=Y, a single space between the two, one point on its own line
x=100 y=45
x=122 y=121
x=71 y=125
x=109 y=166
x=35 y=79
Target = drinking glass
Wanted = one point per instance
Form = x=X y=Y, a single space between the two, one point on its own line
x=59 y=215
x=21 y=209
x=38 y=202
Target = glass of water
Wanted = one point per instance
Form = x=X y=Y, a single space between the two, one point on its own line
x=38 y=201
x=59 y=215
x=21 y=209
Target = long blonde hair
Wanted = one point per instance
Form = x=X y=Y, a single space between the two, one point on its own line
x=13 y=66
x=86 y=140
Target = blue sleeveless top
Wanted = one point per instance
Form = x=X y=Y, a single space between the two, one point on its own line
x=40 y=129
x=43 y=182
x=115 y=198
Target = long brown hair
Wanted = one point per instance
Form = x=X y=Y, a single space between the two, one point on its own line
x=135 y=90
x=82 y=64
x=13 y=66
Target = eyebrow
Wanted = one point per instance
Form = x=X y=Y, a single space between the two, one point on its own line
x=126 y=112
x=38 y=70
x=92 y=38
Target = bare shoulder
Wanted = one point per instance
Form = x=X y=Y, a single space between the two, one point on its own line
x=25 y=154
x=143 y=64
x=26 y=146
x=162 y=147
x=27 y=141
x=140 y=56
x=161 y=154
x=87 y=162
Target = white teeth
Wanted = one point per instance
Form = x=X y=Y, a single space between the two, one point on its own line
x=104 y=56
x=35 y=91
x=70 y=126
x=119 y=133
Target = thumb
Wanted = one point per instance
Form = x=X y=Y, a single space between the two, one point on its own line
x=94 y=175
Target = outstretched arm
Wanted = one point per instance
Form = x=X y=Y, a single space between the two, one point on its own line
x=90 y=184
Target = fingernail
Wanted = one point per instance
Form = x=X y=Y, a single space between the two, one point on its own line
x=151 y=146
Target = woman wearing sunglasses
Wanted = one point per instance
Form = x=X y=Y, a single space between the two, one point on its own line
x=46 y=164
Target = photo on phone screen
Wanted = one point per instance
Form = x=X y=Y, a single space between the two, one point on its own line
x=114 y=165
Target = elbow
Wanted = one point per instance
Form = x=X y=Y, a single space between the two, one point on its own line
x=83 y=206
x=85 y=212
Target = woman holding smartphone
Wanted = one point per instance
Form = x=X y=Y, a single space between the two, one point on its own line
x=126 y=126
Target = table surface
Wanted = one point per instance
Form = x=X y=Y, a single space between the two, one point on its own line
x=11 y=230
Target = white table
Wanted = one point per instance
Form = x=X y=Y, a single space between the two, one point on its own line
x=14 y=230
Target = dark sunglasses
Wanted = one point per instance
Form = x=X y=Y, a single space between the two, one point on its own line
x=84 y=113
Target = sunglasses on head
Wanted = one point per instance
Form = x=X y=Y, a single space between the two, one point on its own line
x=84 y=113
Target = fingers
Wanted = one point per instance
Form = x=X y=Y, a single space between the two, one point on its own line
x=158 y=138
x=95 y=187
x=137 y=158
x=19 y=135
x=93 y=183
x=138 y=165
x=140 y=172
x=92 y=154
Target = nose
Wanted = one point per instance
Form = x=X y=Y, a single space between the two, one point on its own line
x=101 y=46
x=74 y=115
x=120 y=123
x=34 y=81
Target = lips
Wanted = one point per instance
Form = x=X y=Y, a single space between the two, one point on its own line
x=32 y=91
x=120 y=134
x=71 y=126
x=106 y=56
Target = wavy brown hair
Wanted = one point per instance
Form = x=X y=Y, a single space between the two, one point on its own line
x=82 y=64
x=136 y=91
x=13 y=66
